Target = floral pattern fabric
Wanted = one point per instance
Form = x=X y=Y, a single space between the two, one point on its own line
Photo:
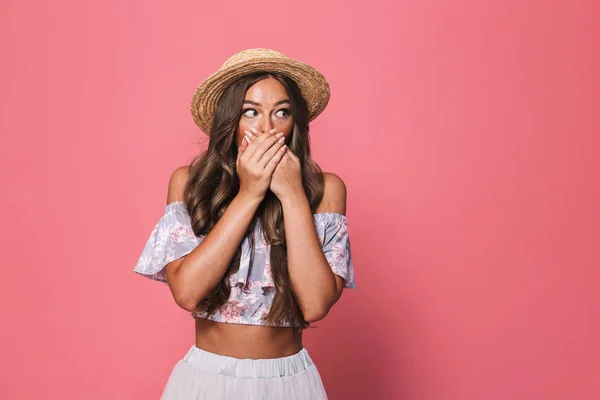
x=252 y=286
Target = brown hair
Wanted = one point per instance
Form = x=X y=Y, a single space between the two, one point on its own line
x=213 y=183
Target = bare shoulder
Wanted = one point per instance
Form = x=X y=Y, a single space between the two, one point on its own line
x=334 y=195
x=177 y=183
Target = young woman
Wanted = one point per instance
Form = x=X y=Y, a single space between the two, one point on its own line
x=254 y=240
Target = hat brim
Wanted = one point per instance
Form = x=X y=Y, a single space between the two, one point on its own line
x=313 y=86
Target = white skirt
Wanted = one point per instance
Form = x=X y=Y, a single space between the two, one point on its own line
x=205 y=375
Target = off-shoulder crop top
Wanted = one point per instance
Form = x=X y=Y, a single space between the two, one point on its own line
x=252 y=287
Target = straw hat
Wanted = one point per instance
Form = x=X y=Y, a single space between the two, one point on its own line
x=313 y=85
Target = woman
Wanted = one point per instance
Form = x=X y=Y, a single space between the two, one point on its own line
x=254 y=240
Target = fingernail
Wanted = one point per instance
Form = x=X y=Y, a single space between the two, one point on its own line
x=253 y=130
x=273 y=130
x=280 y=134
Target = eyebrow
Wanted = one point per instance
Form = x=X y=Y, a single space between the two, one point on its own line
x=276 y=104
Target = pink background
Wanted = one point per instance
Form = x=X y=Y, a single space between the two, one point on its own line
x=466 y=132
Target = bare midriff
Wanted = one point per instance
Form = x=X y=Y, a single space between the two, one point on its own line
x=246 y=341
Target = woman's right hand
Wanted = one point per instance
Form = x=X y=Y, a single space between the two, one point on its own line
x=257 y=158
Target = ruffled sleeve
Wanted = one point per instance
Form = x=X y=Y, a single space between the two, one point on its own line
x=171 y=238
x=332 y=230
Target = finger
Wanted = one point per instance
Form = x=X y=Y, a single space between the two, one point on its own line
x=253 y=138
x=250 y=146
x=264 y=143
x=243 y=146
x=293 y=156
x=249 y=136
x=272 y=164
x=241 y=149
x=271 y=152
x=253 y=142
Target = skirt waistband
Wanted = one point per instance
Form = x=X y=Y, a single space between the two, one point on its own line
x=247 y=367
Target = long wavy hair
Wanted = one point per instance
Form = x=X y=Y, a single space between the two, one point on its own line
x=213 y=183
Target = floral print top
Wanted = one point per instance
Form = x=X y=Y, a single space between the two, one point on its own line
x=252 y=287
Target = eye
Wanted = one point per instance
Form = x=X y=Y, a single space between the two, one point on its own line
x=285 y=111
x=245 y=112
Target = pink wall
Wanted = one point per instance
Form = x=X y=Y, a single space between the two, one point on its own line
x=467 y=134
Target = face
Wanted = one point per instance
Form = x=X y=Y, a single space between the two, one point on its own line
x=266 y=106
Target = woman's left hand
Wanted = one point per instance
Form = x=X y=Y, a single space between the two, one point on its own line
x=286 y=180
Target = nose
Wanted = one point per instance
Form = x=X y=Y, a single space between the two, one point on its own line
x=265 y=124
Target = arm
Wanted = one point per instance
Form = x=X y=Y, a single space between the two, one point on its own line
x=191 y=278
x=316 y=287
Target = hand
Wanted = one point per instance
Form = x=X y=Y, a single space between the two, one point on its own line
x=256 y=161
x=287 y=177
